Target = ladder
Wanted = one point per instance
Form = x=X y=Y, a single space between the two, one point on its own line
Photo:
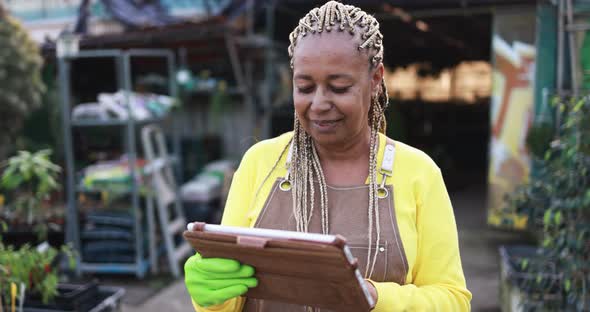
x=164 y=192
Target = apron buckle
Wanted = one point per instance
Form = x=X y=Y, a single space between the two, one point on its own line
x=382 y=191
x=285 y=185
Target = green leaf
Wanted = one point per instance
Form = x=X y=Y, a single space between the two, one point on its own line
x=12 y=182
x=46 y=163
x=568 y=285
x=45 y=153
x=24 y=154
x=546 y=242
x=524 y=264
x=41 y=172
x=547 y=217
x=578 y=106
x=25 y=171
x=52 y=183
x=14 y=161
x=9 y=171
x=555 y=101
x=558 y=218
x=42 y=162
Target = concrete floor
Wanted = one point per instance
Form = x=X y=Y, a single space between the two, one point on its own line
x=174 y=298
x=479 y=248
x=479 y=251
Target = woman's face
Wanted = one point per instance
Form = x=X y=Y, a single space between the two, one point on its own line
x=332 y=87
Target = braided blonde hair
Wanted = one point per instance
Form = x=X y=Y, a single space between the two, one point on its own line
x=305 y=166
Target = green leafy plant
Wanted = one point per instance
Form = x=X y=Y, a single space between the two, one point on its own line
x=557 y=201
x=35 y=269
x=539 y=138
x=21 y=86
x=29 y=178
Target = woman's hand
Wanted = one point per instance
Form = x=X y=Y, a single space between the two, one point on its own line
x=212 y=281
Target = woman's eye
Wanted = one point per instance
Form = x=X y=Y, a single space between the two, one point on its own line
x=305 y=89
x=340 y=89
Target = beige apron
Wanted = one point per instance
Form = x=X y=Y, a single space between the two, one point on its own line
x=348 y=216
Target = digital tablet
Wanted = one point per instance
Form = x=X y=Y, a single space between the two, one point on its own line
x=309 y=269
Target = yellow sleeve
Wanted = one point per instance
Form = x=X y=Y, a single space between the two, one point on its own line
x=235 y=214
x=241 y=192
x=438 y=280
x=231 y=305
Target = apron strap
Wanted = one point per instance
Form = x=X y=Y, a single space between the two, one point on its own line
x=285 y=184
x=289 y=155
x=288 y=162
x=388 y=157
x=386 y=169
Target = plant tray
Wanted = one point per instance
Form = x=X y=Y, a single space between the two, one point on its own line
x=22 y=236
x=511 y=257
x=88 y=298
x=70 y=297
x=518 y=287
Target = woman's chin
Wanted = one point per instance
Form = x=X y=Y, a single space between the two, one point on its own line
x=326 y=138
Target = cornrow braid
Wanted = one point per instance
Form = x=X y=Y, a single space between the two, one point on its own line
x=306 y=169
x=373 y=200
x=349 y=18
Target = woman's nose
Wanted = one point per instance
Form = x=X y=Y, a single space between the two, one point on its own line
x=320 y=101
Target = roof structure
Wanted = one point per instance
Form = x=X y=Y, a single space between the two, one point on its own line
x=440 y=32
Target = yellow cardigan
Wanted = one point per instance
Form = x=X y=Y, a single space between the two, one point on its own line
x=435 y=280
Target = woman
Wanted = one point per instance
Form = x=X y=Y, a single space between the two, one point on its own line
x=338 y=173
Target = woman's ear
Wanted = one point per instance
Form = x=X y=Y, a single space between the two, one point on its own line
x=376 y=77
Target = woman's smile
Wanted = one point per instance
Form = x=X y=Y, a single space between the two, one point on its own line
x=326 y=125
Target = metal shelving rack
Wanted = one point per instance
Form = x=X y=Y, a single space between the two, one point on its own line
x=123 y=65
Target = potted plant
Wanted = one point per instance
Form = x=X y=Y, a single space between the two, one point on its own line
x=29 y=281
x=27 y=181
x=29 y=277
x=556 y=273
x=32 y=270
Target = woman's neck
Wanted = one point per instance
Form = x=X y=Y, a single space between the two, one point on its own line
x=346 y=164
x=355 y=149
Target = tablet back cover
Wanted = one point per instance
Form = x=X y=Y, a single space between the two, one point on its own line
x=300 y=272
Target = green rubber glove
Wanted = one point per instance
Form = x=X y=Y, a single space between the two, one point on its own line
x=212 y=281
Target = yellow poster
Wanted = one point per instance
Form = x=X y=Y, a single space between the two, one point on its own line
x=512 y=114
